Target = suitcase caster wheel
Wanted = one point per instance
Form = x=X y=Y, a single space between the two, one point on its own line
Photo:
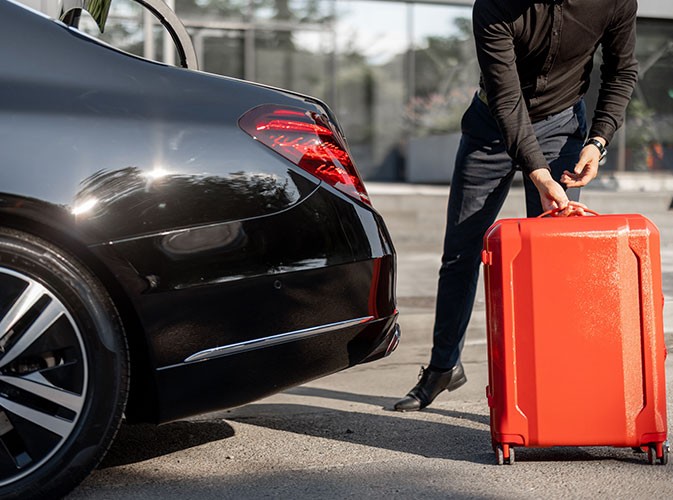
x=500 y=455
x=511 y=456
x=652 y=454
x=664 y=455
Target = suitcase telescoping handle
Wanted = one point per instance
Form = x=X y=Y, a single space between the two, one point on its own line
x=554 y=211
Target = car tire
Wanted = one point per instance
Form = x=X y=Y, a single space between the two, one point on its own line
x=63 y=369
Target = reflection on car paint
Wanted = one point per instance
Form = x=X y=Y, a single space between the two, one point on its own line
x=304 y=265
x=131 y=201
x=221 y=237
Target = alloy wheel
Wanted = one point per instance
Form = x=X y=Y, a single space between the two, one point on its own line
x=43 y=375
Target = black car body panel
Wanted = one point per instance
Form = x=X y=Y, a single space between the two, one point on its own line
x=236 y=273
x=269 y=274
x=81 y=108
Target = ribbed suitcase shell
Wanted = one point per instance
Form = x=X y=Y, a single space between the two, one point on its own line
x=575 y=332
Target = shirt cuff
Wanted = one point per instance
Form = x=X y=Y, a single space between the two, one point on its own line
x=533 y=161
x=603 y=130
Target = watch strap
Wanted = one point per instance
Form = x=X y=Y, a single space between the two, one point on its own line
x=599 y=145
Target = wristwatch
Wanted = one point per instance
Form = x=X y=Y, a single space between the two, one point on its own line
x=599 y=145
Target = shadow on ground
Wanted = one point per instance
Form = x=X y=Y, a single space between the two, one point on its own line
x=384 y=402
x=460 y=436
x=137 y=443
x=453 y=439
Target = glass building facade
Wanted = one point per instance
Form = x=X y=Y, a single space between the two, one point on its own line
x=398 y=74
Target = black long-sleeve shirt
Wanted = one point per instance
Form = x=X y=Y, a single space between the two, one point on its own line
x=536 y=57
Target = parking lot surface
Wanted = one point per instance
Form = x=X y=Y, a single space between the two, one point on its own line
x=337 y=437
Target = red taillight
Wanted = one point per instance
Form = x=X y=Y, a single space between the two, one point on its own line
x=308 y=140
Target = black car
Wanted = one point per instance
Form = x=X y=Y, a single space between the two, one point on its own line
x=171 y=243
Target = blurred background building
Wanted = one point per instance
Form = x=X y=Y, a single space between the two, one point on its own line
x=398 y=74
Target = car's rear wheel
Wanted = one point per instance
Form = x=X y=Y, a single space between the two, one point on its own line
x=63 y=369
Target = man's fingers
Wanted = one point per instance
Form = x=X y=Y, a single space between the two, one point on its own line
x=578 y=205
x=572 y=208
x=576 y=208
x=581 y=179
x=568 y=176
x=571 y=180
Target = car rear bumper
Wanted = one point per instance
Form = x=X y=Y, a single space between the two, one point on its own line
x=232 y=380
x=389 y=343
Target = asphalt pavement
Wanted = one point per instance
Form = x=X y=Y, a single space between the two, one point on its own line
x=337 y=437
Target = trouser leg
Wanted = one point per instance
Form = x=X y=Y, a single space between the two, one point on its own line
x=482 y=178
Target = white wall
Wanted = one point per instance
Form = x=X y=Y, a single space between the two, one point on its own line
x=660 y=9
x=52 y=8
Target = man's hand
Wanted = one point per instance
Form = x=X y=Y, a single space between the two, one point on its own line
x=586 y=168
x=553 y=195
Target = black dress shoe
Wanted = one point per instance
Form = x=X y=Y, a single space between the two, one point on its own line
x=431 y=383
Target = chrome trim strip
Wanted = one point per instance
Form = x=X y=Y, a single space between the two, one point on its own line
x=394 y=342
x=273 y=340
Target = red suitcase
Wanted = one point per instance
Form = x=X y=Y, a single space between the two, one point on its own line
x=575 y=334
